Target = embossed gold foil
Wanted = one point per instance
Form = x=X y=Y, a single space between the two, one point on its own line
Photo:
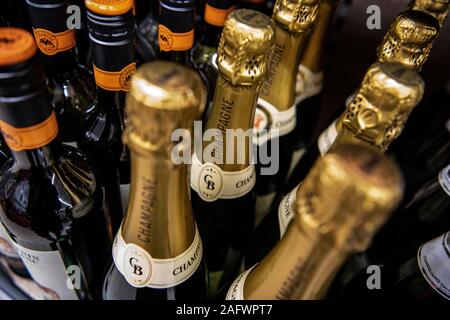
x=436 y=8
x=294 y=21
x=377 y=113
x=409 y=39
x=347 y=196
x=242 y=60
x=164 y=96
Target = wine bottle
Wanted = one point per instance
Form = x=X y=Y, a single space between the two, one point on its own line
x=205 y=50
x=158 y=251
x=111 y=31
x=366 y=187
x=438 y=9
x=9 y=254
x=375 y=116
x=421 y=273
x=14 y=14
x=275 y=117
x=147 y=34
x=70 y=84
x=310 y=75
x=408 y=42
x=84 y=53
x=176 y=30
x=264 y=6
x=51 y=204
x=223 y=180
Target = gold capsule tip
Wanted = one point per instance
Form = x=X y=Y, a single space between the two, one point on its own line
x=244 y=47
x=296 y=16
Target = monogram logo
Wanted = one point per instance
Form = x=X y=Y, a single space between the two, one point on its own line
x=138 y=266
x=210 y=182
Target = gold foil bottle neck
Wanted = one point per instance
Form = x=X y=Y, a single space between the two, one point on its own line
x=244 y=47
x=164 y=96
x=378 y=111
x=348 y=195
x=409 y=39
x=296 y=16
x=436 y=8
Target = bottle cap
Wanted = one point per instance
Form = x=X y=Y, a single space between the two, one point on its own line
x=436 y=8
x=348 y=194
x=16 y=46
x=164 y=96
x=297 y=16
x=378 y=111
x=110 y=7
x=244 y=47
x=409 y=39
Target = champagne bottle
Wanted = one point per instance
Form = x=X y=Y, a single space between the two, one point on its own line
x=310 y=75
x=51 y=202
x=438 y=9
x=205 y=51
x=375 y=116
x=147 y=34
x=275 y=118
x=111 y=31
x=223 y=175
x=70 y=84
x=158 y=250
x=408 y=43
x=422 y=273
x=366 y=186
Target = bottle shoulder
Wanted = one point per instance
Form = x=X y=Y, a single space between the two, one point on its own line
x=40 y=206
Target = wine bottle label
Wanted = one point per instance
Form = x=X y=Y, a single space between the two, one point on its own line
x=326 y=138
x=444 y=179
x=28 y=286
x=173 y=41
x=286 y=211
x=6 y=246
x=267 y=118
x=52 y=43
x=236 y=290
x=41 y=134
x=308 y=83
x=434 y=263
x=47 y=268
x=124 y=195
x=115 y=80
x=140 y=269
x=216 y=16
x=212 y=183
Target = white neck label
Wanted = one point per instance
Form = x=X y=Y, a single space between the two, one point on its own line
x=270 y=123
x=212 y=183
x=434 y=262
x=444 y=179
x=326 y=138
x=286 y=211
x=140 y=269
x=236 y=290
x=308 y=83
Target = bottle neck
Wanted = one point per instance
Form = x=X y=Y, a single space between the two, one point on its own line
x=233 y=107
x=159 y=217
x=181 y=57
x=313 y=57
x=61 y=63
x=39 y=158
x=211 y=35
x=279 y=86
x=110 y=100
x=304 y=273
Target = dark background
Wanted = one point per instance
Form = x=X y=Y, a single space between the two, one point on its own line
x=354 y=50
